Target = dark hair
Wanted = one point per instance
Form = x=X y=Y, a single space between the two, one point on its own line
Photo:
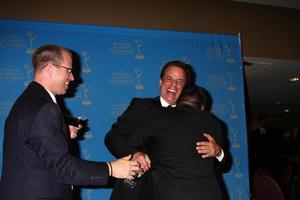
x=48 y=53
x=194 y=96
x=189 y=71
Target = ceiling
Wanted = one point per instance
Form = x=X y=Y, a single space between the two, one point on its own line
x=295 y=4
x=270 y=91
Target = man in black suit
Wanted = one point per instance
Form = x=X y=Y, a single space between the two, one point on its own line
x=174 y=76
x=37 y=163
x=177 y=171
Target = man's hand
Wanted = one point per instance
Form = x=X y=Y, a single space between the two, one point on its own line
x=74 y=130
x=124 y=168
x=144 y=161
x=209 y=148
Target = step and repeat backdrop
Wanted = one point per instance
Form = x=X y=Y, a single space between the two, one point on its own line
x=116 y=64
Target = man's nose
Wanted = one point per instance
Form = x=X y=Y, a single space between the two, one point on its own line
x=71 y=77
x=174 y=82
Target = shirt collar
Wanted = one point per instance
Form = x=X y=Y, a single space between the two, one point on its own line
x=164 y=103
x=52 y=96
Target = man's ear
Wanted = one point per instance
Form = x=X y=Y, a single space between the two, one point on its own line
x=48 y=68
x=160 y=82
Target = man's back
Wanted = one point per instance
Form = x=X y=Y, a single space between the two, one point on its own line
x=175 y=135
x=178 y=171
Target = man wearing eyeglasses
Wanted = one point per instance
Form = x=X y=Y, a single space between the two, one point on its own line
x=37 y=163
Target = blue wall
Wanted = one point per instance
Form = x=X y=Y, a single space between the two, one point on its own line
x=120 y=63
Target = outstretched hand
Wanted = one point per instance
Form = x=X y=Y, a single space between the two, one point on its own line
x=124 y=168
x=144 y=161
x=208 y=148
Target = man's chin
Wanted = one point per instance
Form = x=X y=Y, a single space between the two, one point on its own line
x=62 y=92
x=173 y=102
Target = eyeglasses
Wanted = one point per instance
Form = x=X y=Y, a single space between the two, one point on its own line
x=69 y=69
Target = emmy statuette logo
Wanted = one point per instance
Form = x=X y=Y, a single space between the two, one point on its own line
x=86 y=57
x=29 y=74
x=31 y=37
x=233 y=114
x=138 y=85
x=230 y=59
x=237 y=165
x=231 y=86
x=86 y=101
x=139 y=55
x=234 y=135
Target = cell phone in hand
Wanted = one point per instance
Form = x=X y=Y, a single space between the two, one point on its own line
x=74 y=121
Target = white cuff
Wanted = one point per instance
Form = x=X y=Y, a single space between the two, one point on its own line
x=221 y=156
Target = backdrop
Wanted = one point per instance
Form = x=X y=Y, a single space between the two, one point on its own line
x=117 y=64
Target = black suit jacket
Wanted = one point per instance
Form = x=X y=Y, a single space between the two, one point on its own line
x=139 y=116
x=178 y=171
x=138 y=113
x=36 y=159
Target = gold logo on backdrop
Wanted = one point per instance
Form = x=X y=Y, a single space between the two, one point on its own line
x=122 y=48
x=11 y=42
x=237 y=166
x=29 y=74
x=9 y=74
x=221 y=108
x=233 y=114
x=31 y=37
x=231 y=86
x=138 y=84
x=139 y=55
x=86 y=57
x=122 y=78
x=117 y=109
x=85 y=99
x=215 y=49
x=230 y=59
x=234 y=138
x=216 y=80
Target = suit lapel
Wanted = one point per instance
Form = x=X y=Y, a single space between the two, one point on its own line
x=156 y=102
x=41 y=91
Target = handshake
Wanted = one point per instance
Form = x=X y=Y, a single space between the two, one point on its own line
x=124 y=168
x=145 y=165
x=128 y=167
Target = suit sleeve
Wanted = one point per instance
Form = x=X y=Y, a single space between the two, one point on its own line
x=48 y=140
x=116 y=140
